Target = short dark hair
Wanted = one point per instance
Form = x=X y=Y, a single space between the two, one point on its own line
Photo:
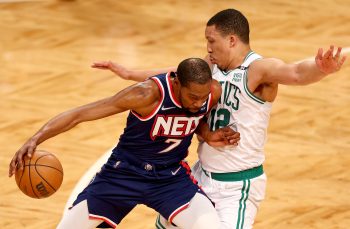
x=193 y=70
x=231 y=21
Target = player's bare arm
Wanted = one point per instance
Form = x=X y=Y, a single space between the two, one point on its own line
x=136 y=75
x=142 y=98
x=301 y=73
x=128 y=74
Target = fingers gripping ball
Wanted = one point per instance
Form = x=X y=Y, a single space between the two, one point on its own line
x=41 y=176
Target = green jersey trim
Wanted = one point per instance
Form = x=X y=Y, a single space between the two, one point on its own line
x=249 y=93
x=248 y=55
x=243 y=204
x=158 y=224
x=236 y=176
x=229 y=71
x=224 y=72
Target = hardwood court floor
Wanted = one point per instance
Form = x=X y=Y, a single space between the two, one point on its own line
x=46 y=48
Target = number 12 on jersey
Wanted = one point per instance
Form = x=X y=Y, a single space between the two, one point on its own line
x=219 y=118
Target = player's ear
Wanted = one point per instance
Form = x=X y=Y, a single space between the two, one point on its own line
x=233 y=40
x=177 y=81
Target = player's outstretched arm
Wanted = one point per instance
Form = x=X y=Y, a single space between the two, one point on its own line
x=141 y=97
x=128 y=74
x=301 y=73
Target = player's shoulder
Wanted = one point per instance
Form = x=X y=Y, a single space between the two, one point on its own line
x=148 y=89
x=265 y=63
x=261 y=66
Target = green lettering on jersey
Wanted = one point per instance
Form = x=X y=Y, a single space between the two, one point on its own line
x=221 y=83
x=230 y=100
x=227 y=94
x=221 y=117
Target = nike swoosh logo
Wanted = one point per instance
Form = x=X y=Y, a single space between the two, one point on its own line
x=167 y=108
x=174 y=173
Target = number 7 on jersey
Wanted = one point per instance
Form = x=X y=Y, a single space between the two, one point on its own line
x=173 y=142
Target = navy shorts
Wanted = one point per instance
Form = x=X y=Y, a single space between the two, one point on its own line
x=121 y=185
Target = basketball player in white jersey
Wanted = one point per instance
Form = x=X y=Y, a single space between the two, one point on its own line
x=233 y=176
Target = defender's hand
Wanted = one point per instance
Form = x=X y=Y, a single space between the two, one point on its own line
x=114 y=67
x=327 y=63
x=222 y=137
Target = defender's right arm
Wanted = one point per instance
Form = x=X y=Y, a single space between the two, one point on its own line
x=135 y=75
x=127 y=74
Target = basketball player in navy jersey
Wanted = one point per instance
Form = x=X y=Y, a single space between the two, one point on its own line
x=146 y=167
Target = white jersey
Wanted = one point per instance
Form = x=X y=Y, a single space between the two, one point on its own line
x=244 y=112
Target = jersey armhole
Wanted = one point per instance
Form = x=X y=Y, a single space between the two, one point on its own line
x=248 y=92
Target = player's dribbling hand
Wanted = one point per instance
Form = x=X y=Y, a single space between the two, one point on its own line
x=327 y=62
x=222 y=137
x=17 y=161
x=114 y=67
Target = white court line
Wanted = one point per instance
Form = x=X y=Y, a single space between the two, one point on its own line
x=85 y=179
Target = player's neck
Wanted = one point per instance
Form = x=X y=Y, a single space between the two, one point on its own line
x=238 y=56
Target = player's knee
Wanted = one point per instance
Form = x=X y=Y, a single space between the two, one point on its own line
x=62 y=225
x=207 y=221
x=67 y=223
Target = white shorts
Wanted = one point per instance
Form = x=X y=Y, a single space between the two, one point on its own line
x=236 y=202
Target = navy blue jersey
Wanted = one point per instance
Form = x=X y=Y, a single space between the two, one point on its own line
x=146 y=167
x=163 y=137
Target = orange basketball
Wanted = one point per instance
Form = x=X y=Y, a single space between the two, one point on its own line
x=41 y=176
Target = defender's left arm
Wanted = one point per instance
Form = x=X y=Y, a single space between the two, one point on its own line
x=301 y=73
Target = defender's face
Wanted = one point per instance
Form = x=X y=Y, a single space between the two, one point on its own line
x=218 y=47
x=194 y=96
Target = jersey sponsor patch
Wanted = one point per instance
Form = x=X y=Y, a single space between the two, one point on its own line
x=237 y=77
